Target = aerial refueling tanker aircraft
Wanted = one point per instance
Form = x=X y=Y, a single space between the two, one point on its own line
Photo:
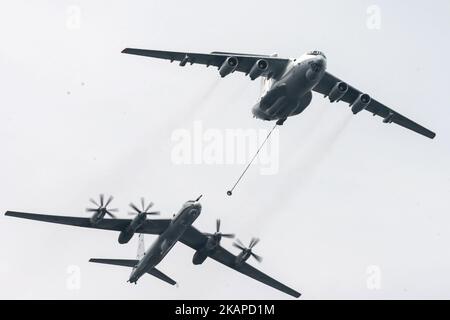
x=288 y=83
x=169 y=231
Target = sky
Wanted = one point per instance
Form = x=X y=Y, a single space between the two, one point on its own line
x=351 y=208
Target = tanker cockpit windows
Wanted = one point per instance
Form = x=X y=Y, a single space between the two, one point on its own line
x=317 y=53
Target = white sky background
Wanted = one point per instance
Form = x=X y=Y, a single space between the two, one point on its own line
x=371 y=195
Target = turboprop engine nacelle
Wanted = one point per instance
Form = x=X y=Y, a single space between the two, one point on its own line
x=338 y=91
x=360 y=103
x=126 y=235
x=199 y=257
x=258 y=69
x=228 y=66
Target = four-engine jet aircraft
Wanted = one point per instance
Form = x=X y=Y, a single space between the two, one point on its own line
x=288 y=83
x=170 y=232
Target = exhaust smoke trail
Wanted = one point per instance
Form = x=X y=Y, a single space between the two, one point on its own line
x=320 y=148
x=199 y=102
x=145 y=154
x=302 y=170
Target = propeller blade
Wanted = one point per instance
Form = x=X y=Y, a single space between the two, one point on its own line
x=109 y=201
x=152 y=213
x=135 y=208
x=237 y=245
x=149 y=206
x=143 y=203
x=94 y=202
x=257 y=257
x=239 y=242
x=228 y=235
x=218 y=225
x=111 y=215
x=253 y=242
x=102 y=206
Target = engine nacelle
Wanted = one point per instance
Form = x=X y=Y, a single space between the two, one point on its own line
x=338 y=91
x=360 y=103
x=258 y=69
x=128 y=233
x=240 y=259
x=95 y=220
x=228 y=66
x=98 y=216
x=125 y=236
x=199 y=258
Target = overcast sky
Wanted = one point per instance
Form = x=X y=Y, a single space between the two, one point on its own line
x=357 y=209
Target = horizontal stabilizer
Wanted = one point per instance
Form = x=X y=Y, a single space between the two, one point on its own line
x=117 y=262
x=161 y=276
x=132 y=263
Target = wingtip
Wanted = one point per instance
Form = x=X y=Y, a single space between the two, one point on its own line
x=126 y=50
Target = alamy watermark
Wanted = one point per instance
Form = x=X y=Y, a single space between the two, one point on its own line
x=73 y=17
x=73 y=280
x=200 y=146
x=373 y=21
x=373 y=280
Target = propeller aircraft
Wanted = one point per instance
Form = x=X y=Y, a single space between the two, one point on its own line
x=169 y=232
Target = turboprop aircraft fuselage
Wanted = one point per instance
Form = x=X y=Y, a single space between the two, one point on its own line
x=290 y=93
x=164 y=243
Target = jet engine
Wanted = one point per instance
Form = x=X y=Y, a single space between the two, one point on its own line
x=258 y=69
x=228 y=66
x=338 y=91
x=360 y=103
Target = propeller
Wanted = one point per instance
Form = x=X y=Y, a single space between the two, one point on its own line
x=102 y=206
x=238 y=244
x=218 y=235
x=145 y=209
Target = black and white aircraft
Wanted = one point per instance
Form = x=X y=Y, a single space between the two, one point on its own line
x=170 y=231
x=288 y=83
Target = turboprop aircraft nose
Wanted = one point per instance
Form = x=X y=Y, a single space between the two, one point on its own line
x=196 y=207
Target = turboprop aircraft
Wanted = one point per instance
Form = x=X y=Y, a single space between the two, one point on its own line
x=288 y=83
x=169 y=231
